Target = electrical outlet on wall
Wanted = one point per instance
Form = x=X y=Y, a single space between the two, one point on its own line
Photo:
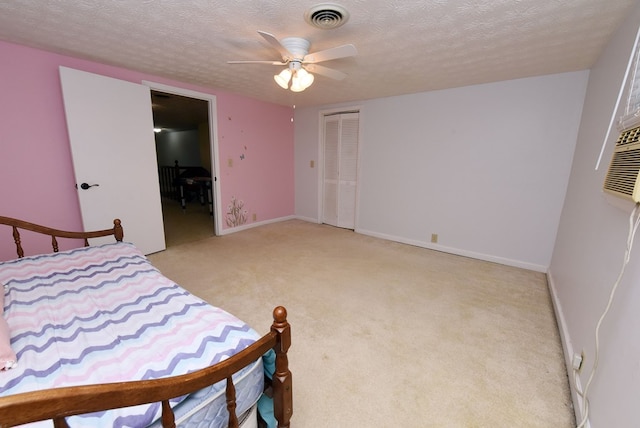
x=434 y=238
x=578 y=361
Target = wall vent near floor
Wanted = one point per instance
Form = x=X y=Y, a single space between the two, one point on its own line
x=623 y=175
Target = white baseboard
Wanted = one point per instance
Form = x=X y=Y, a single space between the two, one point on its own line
x=432 y=246
x=256 y=224
x=456 y=251
x=308 y=219
x=575 y=384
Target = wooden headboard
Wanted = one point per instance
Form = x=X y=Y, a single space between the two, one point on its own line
x=17 y=225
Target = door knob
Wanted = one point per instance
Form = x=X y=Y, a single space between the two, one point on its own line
x=85 y=186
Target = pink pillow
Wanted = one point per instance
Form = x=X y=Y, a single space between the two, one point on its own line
x=8 y=358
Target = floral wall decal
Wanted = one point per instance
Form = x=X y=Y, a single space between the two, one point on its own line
x=236 y=215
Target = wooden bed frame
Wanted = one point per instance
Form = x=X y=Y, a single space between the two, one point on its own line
x=58 y=403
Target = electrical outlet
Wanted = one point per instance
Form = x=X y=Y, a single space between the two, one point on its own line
x=230 y=162
x=254 y=217
x=312 y=164
x=434 y=238
x=578 y=361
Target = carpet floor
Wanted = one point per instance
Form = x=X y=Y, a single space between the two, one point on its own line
x=387 y=334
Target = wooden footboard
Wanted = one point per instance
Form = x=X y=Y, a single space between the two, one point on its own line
x=58 y=403
x=17 y=225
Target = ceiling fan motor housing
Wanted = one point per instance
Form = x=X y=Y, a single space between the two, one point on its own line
x=297 y=46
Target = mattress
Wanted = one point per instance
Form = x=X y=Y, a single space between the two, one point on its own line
x=104 y=314
x=208 y=407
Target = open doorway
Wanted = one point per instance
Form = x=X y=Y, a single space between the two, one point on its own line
x=185 y=166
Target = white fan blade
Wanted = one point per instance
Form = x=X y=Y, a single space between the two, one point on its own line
x=325 y=71
x=329 y=54
x=286 y=55
x=257 y=62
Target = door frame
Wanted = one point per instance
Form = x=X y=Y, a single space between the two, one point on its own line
x=213 y=141
x=320 y=170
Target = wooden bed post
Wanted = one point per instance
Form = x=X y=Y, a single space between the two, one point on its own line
x=118 y=233
x=16 y=239
x=282 y=391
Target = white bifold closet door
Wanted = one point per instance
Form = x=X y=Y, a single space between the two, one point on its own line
x=340 y=176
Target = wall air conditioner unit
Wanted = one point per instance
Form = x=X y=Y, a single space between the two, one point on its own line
x=623 y=176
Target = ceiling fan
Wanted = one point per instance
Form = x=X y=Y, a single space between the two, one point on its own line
x=300 y=63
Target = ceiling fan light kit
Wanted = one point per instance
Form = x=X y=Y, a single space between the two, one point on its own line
x=300 y=78
x=283 y=78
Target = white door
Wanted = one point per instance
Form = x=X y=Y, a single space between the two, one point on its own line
x=110 y=126
x=340 y=169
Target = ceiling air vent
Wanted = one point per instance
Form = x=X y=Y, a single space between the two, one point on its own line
x=622 y=177
x=326 y=16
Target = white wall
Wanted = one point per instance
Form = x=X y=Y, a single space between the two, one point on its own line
x=183 y=146
x=485 y=167
x=589 y=251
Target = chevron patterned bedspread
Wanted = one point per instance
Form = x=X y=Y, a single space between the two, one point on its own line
x=105 y=314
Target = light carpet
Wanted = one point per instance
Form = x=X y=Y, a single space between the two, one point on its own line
x=387 y=334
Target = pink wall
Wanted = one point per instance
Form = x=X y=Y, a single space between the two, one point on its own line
x=258 y=141
x=36 y=178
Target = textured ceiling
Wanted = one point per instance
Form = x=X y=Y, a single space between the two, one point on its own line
x=404 y=46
